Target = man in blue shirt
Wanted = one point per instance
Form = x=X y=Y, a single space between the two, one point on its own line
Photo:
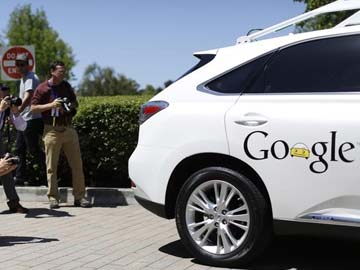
x=29 y=139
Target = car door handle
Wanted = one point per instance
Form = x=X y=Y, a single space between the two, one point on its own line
x=251 y=123
x=252 y=120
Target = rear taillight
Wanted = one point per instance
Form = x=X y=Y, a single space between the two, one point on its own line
x=151 y=108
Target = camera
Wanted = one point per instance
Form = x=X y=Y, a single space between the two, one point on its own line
x=15 y=101
x=14 y=160
x=65 y=103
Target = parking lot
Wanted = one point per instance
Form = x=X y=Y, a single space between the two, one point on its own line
x=129 y=237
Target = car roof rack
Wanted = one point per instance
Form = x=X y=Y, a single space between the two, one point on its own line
x=339 y=5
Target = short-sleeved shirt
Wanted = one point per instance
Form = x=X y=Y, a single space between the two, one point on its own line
x=45 y=93
x=28 y=83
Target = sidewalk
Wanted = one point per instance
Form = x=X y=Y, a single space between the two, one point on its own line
x=129 y=237
x=98 y=196
x=107 y=238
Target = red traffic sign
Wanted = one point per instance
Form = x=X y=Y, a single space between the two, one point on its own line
x=8 y=68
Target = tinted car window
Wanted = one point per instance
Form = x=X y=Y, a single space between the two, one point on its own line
x=327 y=65
x=236 y=80
x=204 y=59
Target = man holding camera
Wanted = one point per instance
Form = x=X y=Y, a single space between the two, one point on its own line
x=29 y=139
x=9 y=110
x=48 y=100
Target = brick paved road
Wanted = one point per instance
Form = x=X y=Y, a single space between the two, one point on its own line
x=129 y=237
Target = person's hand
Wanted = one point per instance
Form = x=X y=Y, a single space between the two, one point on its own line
x=4 y=104
x=6 y=166
x=56 y=103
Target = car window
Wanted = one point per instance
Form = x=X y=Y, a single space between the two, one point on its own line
x=327 y=65
x=204 y=59
x=236 y=80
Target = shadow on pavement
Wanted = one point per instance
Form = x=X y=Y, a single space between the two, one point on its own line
x=6 y=241
x=100 y=197
x=294 y=252
x=46 y=213
x=106 y=197
x=176 y=249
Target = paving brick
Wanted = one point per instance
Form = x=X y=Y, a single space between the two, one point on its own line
x=123 y=237
x=198 y=267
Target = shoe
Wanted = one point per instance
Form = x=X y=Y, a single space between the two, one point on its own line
x=54 y=204
x=16 y=207
x=82 y=203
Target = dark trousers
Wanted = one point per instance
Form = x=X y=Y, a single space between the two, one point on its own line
x=29 y=139
x=7 y=180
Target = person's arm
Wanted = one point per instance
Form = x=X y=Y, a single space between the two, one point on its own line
x=30 y=85
x=37 y=102
x=39 y=108
x=74 y=103
x=26 y=100
x=16 y=119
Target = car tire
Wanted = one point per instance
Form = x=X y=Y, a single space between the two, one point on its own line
x=222 y=217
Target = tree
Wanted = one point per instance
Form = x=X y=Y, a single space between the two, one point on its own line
x=323 y=21
x=149 y=90
x=99 y=81
x=28 y=28
x=168 y=83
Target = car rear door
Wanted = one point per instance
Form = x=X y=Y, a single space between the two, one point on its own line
x=297 y=125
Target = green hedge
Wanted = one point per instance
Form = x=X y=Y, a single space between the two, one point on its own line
x=108 y=133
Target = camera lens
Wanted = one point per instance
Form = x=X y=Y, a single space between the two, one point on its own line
x=16 y=101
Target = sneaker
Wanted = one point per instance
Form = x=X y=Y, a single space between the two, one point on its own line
x=18 y=208
x=82 y=203
x=54 y=204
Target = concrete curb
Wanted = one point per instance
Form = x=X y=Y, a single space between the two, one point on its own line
x=97 y=196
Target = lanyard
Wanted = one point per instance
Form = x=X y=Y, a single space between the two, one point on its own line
x=55 y=112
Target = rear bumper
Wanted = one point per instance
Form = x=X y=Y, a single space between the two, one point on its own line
x=156 y=208
x=150 y=169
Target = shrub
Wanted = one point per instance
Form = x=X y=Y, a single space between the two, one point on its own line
x=108 y=133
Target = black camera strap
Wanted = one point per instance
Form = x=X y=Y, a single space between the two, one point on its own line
x=3 y=119
x=8 y=137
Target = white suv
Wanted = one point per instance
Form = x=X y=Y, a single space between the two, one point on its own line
x=260 y=136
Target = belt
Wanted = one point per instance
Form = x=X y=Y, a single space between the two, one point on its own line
x=58 y=128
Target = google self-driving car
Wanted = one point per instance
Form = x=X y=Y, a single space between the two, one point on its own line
x=215 y=148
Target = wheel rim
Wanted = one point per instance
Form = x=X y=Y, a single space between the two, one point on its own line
x=217 y=217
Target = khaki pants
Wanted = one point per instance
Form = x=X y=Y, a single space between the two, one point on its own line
x=66 y=138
